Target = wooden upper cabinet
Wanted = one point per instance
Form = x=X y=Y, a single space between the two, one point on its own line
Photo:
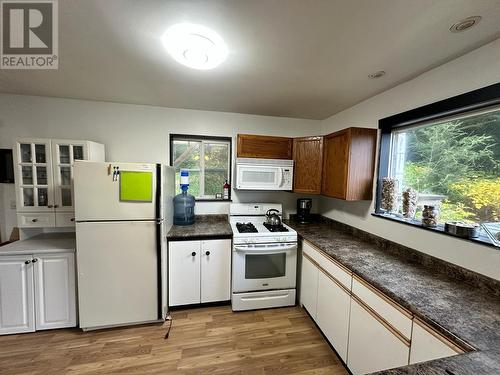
x=262 y=146
x=308 y=160
x=348 y=164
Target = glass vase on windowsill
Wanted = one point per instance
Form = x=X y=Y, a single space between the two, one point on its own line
x=430 y=216
x=389 y=195
x=410 y=200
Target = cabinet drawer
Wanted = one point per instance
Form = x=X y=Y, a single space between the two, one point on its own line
x=36 y=220
x=427 y=344
x=65 y=219
x=398 y=317
x=336 y=270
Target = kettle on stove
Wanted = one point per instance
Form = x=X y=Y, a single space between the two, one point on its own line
x=272 y=218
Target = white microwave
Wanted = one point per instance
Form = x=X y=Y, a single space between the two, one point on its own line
x=264 y=174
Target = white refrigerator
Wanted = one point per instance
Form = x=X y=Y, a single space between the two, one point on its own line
x=123 y=212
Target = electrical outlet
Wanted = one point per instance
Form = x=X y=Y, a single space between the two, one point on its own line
x=12 y=204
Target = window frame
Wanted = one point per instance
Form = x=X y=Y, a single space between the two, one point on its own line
x=474 y=101
x=204 y=139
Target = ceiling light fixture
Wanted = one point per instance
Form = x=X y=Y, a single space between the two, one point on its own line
x=378 y=74
x=465 y=24
x=195 y=46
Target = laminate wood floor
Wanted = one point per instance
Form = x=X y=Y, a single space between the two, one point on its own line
x=208 y=340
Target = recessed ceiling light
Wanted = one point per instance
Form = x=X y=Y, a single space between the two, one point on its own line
x=195 y=46
x=465 y=24
x=378 y=74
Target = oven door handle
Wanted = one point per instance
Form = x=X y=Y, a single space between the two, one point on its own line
x=265 y=298
x=264 y=249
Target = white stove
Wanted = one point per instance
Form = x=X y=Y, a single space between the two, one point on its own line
x=264 y=258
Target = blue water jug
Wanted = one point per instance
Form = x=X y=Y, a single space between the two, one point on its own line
x=184 y=203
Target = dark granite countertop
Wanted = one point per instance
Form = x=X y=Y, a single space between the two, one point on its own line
x=205 y=226
x=453 y=300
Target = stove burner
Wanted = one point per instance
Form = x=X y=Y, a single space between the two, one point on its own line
x=246 y=228
x=276 y=228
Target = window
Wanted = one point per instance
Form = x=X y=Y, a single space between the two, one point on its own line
x=448 y=152
x=453 y=163
x=208 y=160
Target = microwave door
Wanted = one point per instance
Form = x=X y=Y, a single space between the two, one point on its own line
x=258 y=178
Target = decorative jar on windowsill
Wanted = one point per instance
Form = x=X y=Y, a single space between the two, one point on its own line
x=410 y=199
x=389 y=195
x=430 y=216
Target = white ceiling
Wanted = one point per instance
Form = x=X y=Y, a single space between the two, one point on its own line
x=294 y=58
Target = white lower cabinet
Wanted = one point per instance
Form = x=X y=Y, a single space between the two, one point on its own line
x=215 y=270
x=333 y=313
x=17 y=312
x=55 y=300
x=37 y=291
x=309 y=287
x=395 y=315
x=369 y=331
x=372 y=345
x=184 y=272
x=199 y=272
x=427 y=345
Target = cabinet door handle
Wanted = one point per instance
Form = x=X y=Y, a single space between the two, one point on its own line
x=193 y=254
x=55 y=206
x=34 y=220
x=27 y=262
x=50 y=206
x=35 y=260
x=72 y=219
x=207 y=253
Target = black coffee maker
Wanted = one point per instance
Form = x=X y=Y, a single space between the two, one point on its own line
x=304 y=210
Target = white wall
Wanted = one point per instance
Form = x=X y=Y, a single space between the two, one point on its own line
x=474 y=70
x=134 y=133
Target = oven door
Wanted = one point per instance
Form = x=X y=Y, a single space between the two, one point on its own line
x=258 y=177
x=264 y=266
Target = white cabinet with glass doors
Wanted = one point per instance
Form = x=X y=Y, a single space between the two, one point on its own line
x=44 y=176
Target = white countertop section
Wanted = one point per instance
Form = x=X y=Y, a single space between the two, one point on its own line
x=43 y=243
